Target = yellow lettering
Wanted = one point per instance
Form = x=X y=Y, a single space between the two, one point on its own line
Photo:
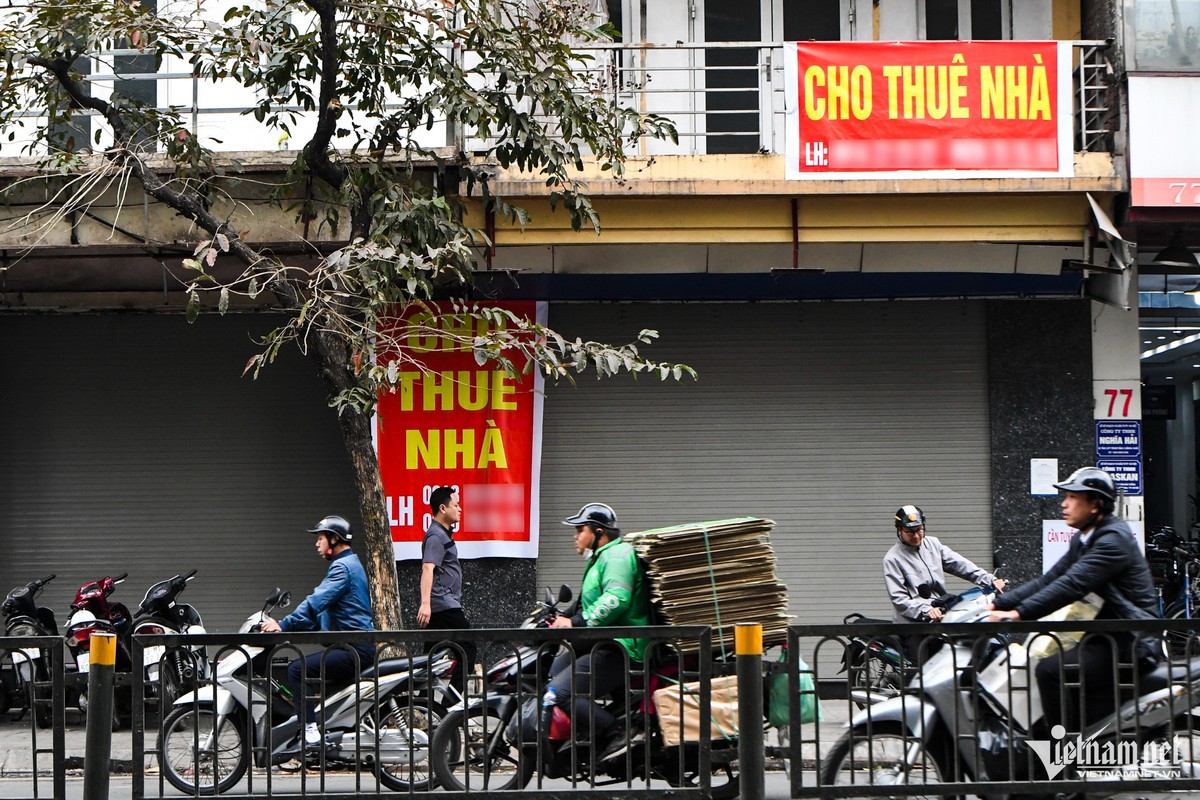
x=1039 y=98
x=417 y=342
x=937 y=91
x=861 y=93
x=991 y=90
x=1017 y=101
x=914 y=93
x=491 y=452
x=958 y=91
x=453 y=448
x=814 y=106
x=502 y=389
x=472 y=390
x=892 y=73
x=405 y=383
x=428 y=450
x=437 y=391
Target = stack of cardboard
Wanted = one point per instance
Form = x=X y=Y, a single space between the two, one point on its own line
x=718 y=574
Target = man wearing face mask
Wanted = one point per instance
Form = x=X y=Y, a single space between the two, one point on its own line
x=613 y=593
x=341 y=602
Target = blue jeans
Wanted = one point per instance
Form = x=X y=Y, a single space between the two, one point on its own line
x=342 y=667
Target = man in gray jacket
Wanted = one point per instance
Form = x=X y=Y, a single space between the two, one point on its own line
x=919 y=559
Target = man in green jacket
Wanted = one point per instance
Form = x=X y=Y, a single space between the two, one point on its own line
x=613 y=594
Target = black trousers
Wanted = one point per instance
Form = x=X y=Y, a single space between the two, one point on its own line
x=455 y=620
x=1079 y=688
x=340 y=667
x=598 y=673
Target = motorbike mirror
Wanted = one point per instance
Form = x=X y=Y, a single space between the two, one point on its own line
x=564 y=594
x=925 y=590
x=274 y=597
x=285 y=600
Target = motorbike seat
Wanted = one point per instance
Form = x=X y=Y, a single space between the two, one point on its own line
x=391 y=666
x=859 y=619
x=1167 y=673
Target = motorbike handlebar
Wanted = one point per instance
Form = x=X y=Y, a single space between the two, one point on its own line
x=120 y=577
x=190 y=575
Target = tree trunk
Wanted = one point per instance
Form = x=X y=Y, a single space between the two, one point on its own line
x=337 y=372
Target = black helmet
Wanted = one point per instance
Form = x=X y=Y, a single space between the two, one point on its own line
x=336 y=525
x=909 y=517
x=596 y=514
x=1090 y=479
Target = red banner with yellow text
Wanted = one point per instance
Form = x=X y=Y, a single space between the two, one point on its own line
x=453 y=422
x=928 y=109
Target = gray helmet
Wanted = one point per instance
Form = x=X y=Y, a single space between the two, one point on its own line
x=1090 y=479
x=336 y=525
x=909 y=517
x=596 y=514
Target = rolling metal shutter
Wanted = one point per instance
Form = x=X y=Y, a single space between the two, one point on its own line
x=131 y=444
x=823 y=417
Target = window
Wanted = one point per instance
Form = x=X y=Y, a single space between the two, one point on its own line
x=965 y=19
x=1165 y=35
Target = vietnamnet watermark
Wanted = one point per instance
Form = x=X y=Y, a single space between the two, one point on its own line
x=1116 y=759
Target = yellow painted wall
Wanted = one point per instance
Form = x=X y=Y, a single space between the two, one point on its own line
x=1067 y=19
x=863 y=218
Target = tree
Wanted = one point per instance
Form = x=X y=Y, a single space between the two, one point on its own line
x=375 y=76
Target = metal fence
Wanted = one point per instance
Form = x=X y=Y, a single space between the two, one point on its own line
x=960 y=711
x=953 y=711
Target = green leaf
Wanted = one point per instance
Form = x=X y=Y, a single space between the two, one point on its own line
x=223 y=303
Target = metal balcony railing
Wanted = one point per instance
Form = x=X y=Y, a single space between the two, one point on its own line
x=723 y=97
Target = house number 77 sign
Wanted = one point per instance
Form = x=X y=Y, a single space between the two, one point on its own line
x=1117 y=400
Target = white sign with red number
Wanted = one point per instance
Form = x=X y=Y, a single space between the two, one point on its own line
x=1117 y=400
x=1164 y=162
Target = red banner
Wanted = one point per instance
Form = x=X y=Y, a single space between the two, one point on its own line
x=455 y=423
x=928 y=109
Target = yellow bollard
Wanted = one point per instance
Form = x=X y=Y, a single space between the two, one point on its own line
x=752 y=759
x=101 y=676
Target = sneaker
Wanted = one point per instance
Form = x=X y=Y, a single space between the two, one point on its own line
x=616 y=748
x=312 y=734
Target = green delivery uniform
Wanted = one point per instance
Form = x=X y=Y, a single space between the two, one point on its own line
x=614 y=594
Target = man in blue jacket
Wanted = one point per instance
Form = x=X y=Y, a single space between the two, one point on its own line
x=341 y=602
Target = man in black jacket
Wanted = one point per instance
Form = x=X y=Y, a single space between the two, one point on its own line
x=1103 y=559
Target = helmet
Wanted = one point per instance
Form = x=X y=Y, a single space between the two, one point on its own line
x=337 y=525
x=909 y=517
x=1090 y=479
x=596 y=514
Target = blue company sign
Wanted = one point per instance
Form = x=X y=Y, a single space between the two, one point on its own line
x=1118 y=439
x=1127 y=472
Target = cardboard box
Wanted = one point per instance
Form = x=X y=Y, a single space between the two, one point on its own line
x=724 y=711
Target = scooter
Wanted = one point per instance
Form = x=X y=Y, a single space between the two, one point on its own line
x=967 y=715
x=92 y=612
x=492 y=743
x=31 y=665
x=174 y=672
x=381 y=722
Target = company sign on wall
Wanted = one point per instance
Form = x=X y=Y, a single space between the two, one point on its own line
x=928 y=109
x=454 y=422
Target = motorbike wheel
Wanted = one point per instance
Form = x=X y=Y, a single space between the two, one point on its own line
x=195 y=758
x=469 y=751
x=405 y=726
x=878 y=758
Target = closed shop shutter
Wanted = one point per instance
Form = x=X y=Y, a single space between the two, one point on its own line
x=132 y=444
x=823 y=417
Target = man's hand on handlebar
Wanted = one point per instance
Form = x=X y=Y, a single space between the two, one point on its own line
x=269 y=625
x=561 y=622
x=1000 y=585
x=934 y=614
x=995 y=615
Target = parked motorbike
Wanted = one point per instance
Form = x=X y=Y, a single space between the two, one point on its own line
x=974 y=699
x=31 y=665
x=488 y=744
x=382 y=722
x=170 y=673
x=874 y=665
x=92 y=612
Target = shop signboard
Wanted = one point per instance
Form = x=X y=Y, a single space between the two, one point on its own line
x=1118 y=439
x=456 y=422
x=928 y=109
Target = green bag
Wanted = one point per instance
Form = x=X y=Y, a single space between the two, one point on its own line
x=778 y=706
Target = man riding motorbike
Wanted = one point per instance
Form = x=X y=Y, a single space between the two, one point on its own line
x=613 y=593
x=341 y=602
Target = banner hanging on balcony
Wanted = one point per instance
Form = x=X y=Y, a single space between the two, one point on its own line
x=928 y=109
x=453 y=422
